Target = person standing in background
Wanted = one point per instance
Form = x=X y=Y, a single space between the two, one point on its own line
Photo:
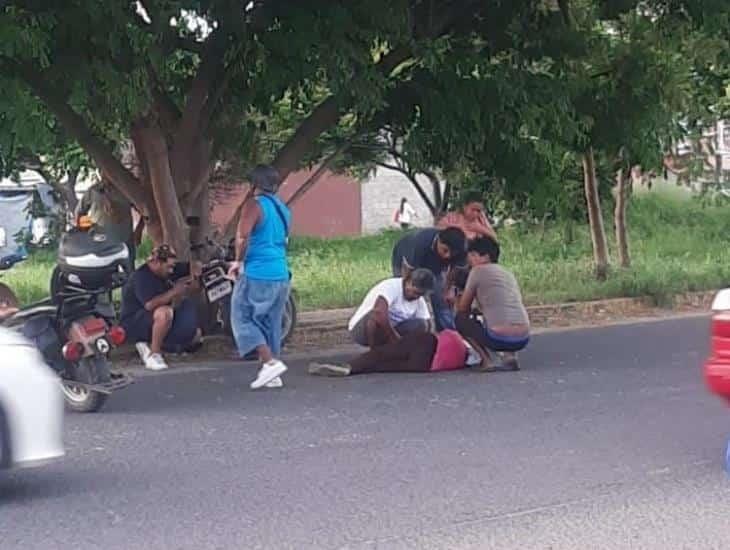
x=261 y=272
x=405 y=214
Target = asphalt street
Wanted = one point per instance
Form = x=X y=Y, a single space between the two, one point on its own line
x=606 y=439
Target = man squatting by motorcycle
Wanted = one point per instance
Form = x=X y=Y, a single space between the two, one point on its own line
x=158 y=311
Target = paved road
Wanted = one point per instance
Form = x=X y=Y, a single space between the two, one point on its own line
x=607 y=439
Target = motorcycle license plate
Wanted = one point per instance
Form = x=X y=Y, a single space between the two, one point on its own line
x=220 y=290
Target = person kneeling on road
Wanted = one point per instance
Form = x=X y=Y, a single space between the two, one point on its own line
x=157 y=312
x=415 y=352
x=506 y=325
x=393 y=308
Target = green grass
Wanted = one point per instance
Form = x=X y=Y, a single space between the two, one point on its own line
x=677 y=245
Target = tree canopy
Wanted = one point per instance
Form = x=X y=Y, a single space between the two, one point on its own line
x=159 y=94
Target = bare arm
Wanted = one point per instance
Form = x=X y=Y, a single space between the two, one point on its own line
x=466 y=300
x=250 y=216
x=382 y=320
x=167 y=298
x=483 y=228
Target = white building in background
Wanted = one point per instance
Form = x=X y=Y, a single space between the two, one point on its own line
x=381 y=194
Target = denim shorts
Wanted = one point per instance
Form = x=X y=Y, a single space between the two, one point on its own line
x=257 y=311
x=498 y=342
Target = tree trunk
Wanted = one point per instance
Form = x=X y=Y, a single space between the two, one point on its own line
x=595 y=216
x=621 y=195
x=156 y=154
x=68 y=190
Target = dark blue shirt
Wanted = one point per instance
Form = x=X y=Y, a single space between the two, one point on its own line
x=419 y=250
x=143 y=285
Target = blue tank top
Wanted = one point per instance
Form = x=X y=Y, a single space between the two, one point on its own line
x=266 y=254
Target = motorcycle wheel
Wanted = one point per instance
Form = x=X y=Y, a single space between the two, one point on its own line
x=288 y=322
x=79 y=398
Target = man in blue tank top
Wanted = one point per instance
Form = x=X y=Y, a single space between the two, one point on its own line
x=262 y=276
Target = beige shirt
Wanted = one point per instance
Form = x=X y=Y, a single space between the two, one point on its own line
x=498 y=295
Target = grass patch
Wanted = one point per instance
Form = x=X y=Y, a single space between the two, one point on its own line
x=677 y=245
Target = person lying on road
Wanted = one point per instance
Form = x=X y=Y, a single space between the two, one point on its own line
x=415 y=352
x=506 y=325
x=158 y=313
x=393 y=308
x=438 y=251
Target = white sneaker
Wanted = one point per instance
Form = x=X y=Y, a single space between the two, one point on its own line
x=144 y=350
x=269 y=371
x=275 y=383
x=155 y=361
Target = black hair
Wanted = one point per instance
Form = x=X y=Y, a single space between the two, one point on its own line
x=470 y=197
x=455 y=239
x=163 y=253
x=403 y=202
x=423 y=280
x=266 y=178
x=485 y=246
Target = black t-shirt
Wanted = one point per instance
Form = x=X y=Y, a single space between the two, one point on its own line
x=419 y=250
x=143 y=285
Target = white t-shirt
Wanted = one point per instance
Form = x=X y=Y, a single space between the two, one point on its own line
x=407 y=215
x=399 y=309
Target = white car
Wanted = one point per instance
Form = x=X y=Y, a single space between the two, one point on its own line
x=31 y=405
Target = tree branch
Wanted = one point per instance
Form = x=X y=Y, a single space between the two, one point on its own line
x=77 y=127
x=328 y=112
x=318 y=173
x=414 y=181
x=166 y=108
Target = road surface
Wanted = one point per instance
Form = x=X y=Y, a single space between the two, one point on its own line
x=606 y=439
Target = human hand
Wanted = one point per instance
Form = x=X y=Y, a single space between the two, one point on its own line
x=234 y=271
x=182 y=286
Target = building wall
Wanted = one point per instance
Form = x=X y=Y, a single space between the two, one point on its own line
x=381 y=196
x=329 y=209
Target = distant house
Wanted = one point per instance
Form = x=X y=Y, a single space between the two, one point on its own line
x=16 y=198
x=337 y=205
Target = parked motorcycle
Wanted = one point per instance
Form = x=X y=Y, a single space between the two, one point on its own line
x=75 y=328
x=215 y=307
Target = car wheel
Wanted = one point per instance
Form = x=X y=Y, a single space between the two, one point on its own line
x=6 y=458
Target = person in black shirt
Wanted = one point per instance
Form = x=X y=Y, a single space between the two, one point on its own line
x=157 y=312
x=439 y=251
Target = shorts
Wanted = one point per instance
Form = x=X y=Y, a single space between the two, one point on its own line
x=182 y=333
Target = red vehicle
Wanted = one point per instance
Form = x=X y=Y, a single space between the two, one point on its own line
x=717 y=367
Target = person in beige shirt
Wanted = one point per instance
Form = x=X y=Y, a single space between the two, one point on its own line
x=506 y=326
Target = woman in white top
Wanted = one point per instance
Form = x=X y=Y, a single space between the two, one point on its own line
x=405 y=214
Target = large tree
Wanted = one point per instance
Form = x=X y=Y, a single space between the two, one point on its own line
x=189 y=83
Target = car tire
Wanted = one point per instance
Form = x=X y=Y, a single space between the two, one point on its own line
x=6 y=454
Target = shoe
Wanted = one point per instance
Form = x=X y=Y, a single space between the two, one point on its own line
x=473 y=358
x=269 y=371
x=275 y=383
x=143 y=349
x=324 y=369
x=511 y=364
x=155 y=361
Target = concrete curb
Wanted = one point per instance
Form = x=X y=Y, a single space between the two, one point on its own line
x=329 y=327
x=325 y=332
